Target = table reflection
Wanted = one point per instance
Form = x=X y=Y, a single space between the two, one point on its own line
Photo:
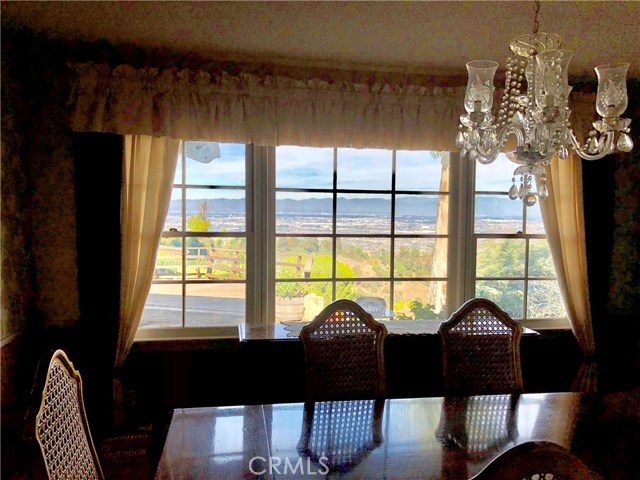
x=413 y=438
x=473 y=430
x=338 y=435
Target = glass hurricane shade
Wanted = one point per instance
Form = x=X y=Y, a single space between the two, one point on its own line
x=480 y=86
x=611 y=99
x=552 y=78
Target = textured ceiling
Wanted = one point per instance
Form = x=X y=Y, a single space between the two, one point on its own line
x=413 y=36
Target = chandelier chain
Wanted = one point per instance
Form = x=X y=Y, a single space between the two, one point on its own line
x=536 y=9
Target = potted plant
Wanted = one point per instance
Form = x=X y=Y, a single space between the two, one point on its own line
x=290 y=296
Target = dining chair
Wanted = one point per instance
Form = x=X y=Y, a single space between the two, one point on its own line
x=60 y=427
x=376 y=306
x=481 y=350
x=338 y=435
x=535 y=460
x=344 y=354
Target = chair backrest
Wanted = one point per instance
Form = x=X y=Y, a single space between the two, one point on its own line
x=344 y=354
x=537 y=460
x=376 y=306
x=481 y=350
x=61 y=427
x=338 y=435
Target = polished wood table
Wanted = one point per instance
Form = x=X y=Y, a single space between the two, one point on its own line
x=418 y=438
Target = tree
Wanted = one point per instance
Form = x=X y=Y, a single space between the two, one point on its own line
x=199 y=222
x=321 y=268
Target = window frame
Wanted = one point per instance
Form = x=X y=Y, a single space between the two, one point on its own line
x=260 y=234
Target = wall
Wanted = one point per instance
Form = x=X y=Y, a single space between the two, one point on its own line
x=45 y=253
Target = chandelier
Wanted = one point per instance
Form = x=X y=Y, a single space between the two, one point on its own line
x=534 y=108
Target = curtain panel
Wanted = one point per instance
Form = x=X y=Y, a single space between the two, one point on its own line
x=265 y=109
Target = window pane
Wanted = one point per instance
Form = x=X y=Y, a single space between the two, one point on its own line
x=163 y=307
x=507 y=294
x=216 y=210
x=497 y=214
x=298 y=257
x=426 y=171
x=498 y=257
x=544 y=300
x=174 y=214
x=363 y=257
x=362 y=213
x=211 y=163
x=540 y=261
x=352 y=290
x=214 y=304
x=420 y=300
x=301 y=301
x=495 y=176
x=169 y=260
x=303 y=167
x=364 y=169
x=216 y=258
x=534 y=219
x=422 y=214
x=304 y=212
x=414 y=257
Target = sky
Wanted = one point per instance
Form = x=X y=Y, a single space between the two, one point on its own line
x=307 y=167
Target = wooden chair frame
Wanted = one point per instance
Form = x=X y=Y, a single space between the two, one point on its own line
x=452 y=334
x=537 y=460
x=318 y=335
x=68 y=465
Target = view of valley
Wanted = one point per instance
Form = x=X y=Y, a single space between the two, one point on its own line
x=418 y=262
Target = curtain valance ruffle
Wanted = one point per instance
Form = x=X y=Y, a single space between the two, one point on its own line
x=275 y=109
x=264 y=109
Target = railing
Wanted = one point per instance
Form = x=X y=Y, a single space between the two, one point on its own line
x=208 y=260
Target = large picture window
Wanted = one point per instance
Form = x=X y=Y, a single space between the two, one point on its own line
x=390 y=229
x=367 y=225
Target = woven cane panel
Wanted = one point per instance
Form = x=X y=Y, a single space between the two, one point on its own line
x=482 y=355
x=345 y=358
x=344 y=432
x=61 y=431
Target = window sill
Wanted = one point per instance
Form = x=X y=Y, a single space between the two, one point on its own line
x=547 y=324
x=177 y=333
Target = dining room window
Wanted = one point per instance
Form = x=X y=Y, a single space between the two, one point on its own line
x=200 y=274
x=361 y=224
x=260 y=234
x=513 y=264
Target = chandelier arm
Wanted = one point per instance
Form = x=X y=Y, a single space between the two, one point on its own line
x=506 y=131
x=582 y=153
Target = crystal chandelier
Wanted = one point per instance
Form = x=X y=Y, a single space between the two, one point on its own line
x=534 y=108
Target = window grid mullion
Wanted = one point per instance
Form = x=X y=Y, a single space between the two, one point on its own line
x=392 y=253
x=184 y=229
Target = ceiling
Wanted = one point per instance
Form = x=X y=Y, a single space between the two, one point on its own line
x=430 y=37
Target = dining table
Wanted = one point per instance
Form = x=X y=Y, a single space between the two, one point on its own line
x=398 y=438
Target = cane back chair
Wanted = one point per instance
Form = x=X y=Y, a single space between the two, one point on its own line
x=344 y=354
x=537 y=460
x=61 y=427
x=481 y=350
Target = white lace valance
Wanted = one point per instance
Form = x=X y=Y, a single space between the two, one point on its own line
x=264 y=109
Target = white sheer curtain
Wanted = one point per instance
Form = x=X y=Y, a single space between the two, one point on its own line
x=563 y=218
x=149 y=168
